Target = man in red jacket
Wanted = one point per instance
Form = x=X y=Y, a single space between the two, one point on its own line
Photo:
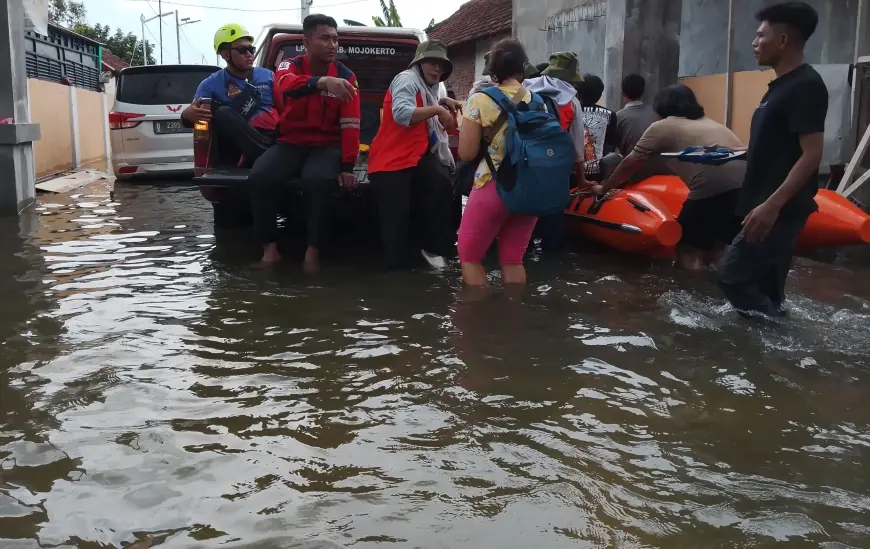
x=318 y=105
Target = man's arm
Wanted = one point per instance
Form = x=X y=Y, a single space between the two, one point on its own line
x=655 y=139
x=349 y=120
x=806 y=118
x=405 y=110
x=627 y=168
x=195 y=111
x=812 y=145
x=288 y=81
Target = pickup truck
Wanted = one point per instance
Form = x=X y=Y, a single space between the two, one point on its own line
x=375 y=54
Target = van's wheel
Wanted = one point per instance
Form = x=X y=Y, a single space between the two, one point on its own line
x=229 y=215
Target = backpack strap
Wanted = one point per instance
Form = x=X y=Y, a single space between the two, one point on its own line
x=499 y=97
x=506 y=108
x=552 y=107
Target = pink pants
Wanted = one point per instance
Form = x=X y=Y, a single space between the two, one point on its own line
x=485 y=219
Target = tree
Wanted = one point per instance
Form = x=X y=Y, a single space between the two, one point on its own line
x=391 y=15
x=352 y=23
x=71 y=14
x=67 y=13
x=126 y=46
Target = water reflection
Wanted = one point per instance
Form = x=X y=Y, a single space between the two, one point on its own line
x=173 y=397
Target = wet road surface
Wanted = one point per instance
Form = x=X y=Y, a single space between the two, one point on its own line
x=155 y=391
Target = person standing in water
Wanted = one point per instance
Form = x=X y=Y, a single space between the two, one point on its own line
x=782 y=163
x=486 y=218
x=410 y=163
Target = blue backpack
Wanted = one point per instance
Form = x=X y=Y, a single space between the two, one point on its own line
x=534 y=177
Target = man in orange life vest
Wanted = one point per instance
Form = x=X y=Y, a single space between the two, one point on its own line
x=319 y=108
x=557 y=86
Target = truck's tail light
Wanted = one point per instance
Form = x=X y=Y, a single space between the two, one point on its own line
x=201 y=144
x=123 y=120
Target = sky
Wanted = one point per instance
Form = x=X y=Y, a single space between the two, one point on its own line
x=197 y=39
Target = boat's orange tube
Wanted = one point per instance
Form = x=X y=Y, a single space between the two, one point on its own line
x=838 y=222
x=659 y=231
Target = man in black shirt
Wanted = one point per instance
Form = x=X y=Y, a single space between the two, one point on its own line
x=785 y=150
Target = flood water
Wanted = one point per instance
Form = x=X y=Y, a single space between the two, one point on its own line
x=155 y=391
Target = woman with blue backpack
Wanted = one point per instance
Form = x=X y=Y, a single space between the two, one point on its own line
x=524 y=160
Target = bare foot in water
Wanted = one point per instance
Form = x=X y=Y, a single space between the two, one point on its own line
x=311 y=263
x=271 y=256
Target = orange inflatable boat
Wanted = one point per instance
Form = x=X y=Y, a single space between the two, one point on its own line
x=630 y=221
x=838 y=222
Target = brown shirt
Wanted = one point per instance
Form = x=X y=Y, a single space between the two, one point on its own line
x=674 y=134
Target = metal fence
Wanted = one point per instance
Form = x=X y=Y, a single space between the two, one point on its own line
x=63 y=54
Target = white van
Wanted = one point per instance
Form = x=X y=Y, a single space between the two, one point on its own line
x=145 y=123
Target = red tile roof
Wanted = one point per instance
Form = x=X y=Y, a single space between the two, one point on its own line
x=473 y=20
x=112 y=62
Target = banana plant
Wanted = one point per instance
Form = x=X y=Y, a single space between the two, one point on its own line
x=391 y=15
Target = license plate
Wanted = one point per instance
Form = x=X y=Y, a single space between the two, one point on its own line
x=163 y=127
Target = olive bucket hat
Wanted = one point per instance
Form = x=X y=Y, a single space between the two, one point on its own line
x=433 y=49
x=564 y=66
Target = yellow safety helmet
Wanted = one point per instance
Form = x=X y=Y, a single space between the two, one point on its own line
x=229 y=34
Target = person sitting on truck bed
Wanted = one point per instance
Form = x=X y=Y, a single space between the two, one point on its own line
x=242 y=114
x=319 y=108
x=410 y=162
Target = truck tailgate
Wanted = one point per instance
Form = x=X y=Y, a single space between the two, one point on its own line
x=223 y=178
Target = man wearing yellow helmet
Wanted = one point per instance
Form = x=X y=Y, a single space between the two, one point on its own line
x=241 y=109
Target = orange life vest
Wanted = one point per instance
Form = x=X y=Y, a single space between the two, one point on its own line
x=567 y=114
x=397 y=147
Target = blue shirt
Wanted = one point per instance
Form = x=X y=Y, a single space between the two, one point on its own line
x=225 y=88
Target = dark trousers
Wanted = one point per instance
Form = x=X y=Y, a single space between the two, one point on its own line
x=551 y=229
x=753 y=275
x=314 y=169
x=424 y=193
x=236 y=137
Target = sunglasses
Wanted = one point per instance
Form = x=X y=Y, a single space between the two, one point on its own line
x=242 y=50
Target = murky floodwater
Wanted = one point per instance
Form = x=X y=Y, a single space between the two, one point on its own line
x=153 y=388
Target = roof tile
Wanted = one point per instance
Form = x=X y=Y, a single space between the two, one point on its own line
x=112 y=61
x=475 y=19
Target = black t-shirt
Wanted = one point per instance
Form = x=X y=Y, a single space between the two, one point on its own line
x=795 y=104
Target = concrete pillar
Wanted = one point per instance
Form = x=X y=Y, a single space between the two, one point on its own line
x=18 y=179
x=614 y=52
x=651 y=45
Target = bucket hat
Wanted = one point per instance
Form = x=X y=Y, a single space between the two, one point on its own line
x=433 y=49
x=564 y=66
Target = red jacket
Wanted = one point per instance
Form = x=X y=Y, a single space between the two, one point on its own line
x=310 y=117
x=397 y=147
